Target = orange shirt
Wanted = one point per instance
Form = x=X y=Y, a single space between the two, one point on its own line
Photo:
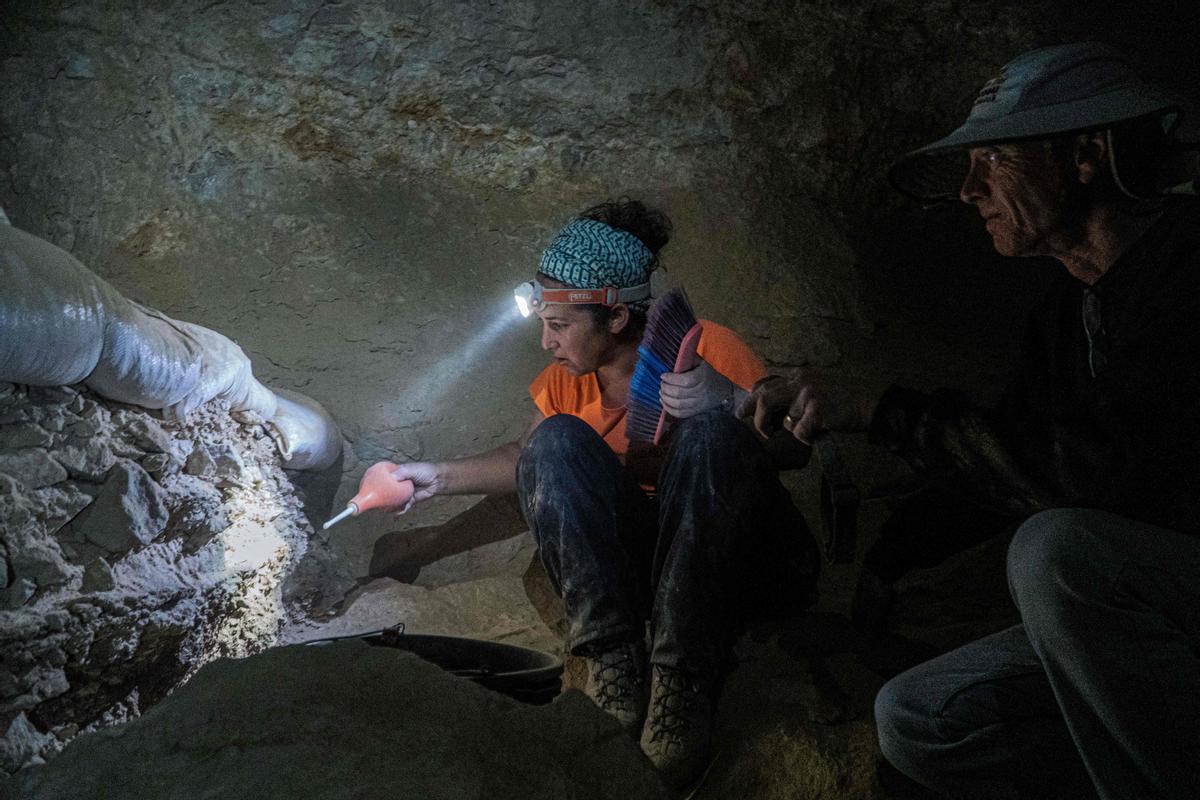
x=556 y=391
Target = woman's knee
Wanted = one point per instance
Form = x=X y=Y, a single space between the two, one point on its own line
x=550 y=444
x=559 y=438
x=712 y=435
x=556 y=436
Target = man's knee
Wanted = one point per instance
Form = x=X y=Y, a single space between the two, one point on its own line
x=904 y=724
x=1057 y=556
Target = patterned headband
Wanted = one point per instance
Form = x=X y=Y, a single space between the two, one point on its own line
x=587 y=254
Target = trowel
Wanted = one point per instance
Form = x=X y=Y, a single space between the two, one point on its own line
x=378 y=489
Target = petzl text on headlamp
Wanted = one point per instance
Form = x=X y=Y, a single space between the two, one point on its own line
x=531 y=296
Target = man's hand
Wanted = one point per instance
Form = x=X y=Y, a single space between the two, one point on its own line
x=426 y=482
x=809 y=403
x=767 y=402
x=685 y=394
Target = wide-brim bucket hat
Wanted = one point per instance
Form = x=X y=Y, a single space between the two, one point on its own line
x=1042 y=93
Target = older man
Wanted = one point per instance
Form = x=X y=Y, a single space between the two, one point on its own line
x=1094 y=451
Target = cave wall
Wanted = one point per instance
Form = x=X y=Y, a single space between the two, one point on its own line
x=350 y=190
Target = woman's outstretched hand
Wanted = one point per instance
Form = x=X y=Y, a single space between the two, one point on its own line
x=425 y=478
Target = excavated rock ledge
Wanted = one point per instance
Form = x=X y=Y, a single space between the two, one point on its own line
x=135 y=550
x=348 y=720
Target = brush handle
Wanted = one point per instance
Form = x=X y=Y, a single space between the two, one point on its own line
x=686 y=359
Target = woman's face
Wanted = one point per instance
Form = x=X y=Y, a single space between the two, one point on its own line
x=573 y=339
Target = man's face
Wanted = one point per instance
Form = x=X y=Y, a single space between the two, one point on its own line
x=573 y=339
x=1023 y=191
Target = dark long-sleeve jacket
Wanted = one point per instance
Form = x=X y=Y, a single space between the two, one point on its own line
x=1104 y=410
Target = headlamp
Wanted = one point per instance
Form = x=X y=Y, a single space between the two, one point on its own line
x=524 y=297
x=531 y=296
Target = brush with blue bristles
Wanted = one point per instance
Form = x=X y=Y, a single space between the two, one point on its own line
x=668 y=345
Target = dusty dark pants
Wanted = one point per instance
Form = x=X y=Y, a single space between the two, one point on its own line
x=721 y=540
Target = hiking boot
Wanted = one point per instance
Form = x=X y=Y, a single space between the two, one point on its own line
x=678 y=734
x=617 y=683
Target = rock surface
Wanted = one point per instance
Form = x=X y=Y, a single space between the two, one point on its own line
x=129 y=510
x=349 y=720
x=486 y=599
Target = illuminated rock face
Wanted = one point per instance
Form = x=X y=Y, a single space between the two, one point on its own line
x=129 y=510
x=122 y=573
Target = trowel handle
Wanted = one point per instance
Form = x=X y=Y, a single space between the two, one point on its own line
x=378 y=489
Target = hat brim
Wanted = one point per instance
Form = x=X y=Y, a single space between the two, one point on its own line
x=935 y=172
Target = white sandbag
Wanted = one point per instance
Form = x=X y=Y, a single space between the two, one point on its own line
x=306 y=435
x=61 y=324
x=154 y=361
x=51 y=312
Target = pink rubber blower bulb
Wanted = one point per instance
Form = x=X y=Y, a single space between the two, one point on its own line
x=378 y=489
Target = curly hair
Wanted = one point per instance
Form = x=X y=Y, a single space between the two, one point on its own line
x=652 y=227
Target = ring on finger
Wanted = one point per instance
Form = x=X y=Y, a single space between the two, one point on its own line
x=788 y=422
